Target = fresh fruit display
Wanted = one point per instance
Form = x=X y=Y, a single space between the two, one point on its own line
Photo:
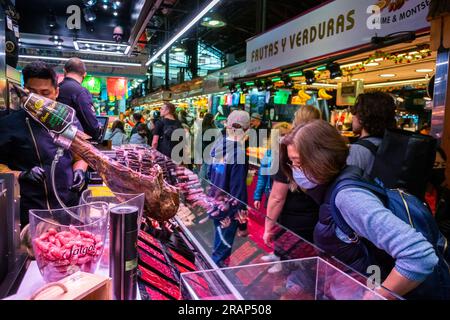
x=324 y=95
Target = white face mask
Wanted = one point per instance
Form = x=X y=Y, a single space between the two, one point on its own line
x=301 y=180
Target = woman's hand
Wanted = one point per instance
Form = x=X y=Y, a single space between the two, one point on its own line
x=257 y=204
x=268 y=237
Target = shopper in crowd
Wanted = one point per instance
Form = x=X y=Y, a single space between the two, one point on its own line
x=228 y=172
x=117 y=133
x=140 y=137
x=207 y=124
x=28 y=150
x=288 y=204
x=316 y=160
x=306 y=113
x=164 y=129
x=137 y=119
x=259 y=129
x=79 y=98
x=373 y=113
x=264 y=184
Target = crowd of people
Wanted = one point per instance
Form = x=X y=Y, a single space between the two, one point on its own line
x=306 y=196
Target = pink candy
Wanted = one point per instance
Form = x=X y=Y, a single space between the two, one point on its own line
x=59 y=254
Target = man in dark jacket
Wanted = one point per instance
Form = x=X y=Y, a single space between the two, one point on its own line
x=27 y=150
x=74 y=95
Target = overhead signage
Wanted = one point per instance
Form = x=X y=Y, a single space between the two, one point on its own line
x=337 y=26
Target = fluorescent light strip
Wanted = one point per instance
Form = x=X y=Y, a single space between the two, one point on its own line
x=100 y=43
x=183 y=31
x=325 y=85
x=391 y=83
x=112 y=63
x=115 y=53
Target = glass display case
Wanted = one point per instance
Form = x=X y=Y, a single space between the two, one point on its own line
x=216 y=232
x=299 y=279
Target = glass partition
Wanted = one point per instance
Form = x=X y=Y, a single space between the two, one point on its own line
x=213 y=230
x=300 y=279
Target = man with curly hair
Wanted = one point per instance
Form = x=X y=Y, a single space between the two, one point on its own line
x=373 y=113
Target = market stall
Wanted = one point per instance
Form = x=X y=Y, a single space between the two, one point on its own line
x=171 y=253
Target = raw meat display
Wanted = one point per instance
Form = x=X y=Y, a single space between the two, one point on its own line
x=59 y=254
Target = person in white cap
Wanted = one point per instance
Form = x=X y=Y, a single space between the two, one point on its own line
x=228 y=172
x=261 y=130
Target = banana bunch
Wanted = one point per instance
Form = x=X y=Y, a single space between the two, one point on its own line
x=301 y=98
x=302 y=94
x=324 y=95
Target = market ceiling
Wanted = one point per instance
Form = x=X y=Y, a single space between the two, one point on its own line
x=42 y=19
x=242 y=18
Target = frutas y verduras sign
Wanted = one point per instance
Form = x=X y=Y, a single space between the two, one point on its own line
x=339 y=25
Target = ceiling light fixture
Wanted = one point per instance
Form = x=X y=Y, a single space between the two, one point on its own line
x=115 y=13
x=387 y=75
x=159 y=63
x=89 y=15
x=213 y=20
x=103 y=62
x=391 y=83
x=324 y=85
x=211 y=5
x=89 y=3
x=51 y=21
x=424 y=70
x=372 y=64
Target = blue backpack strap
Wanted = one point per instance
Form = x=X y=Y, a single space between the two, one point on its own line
x=340 y=222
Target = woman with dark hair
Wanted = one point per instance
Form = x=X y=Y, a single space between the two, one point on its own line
x=117 y=134
x=140 y=137
x=288 y=204
x=316 y=161
x=373 y=113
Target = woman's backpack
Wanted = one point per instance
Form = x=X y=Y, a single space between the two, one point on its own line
x=412 y=211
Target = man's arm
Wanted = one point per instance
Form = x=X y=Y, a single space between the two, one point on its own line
x=157 y=131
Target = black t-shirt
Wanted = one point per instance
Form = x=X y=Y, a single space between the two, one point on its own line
x=300 y=212
x=297 y=202
x=164 y=129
